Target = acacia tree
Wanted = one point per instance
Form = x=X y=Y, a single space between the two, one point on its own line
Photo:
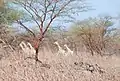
x=44 y=12
x=94 y=33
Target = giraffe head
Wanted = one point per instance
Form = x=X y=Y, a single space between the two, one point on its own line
x=65 y=45
x=56 y=43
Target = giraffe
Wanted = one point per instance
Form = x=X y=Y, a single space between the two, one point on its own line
x=31 y=48
x=69 y=51
x=60 y=51
x=27 y=48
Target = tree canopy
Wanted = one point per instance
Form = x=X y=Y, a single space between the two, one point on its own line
x=44 y=12
x=8 y=14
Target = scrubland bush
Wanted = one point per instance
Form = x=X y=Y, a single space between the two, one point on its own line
x=72 y=68
x=95 y=34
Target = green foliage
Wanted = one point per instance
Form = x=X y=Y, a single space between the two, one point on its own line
x=8 y=15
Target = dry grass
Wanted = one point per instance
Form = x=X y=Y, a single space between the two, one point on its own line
x=70 y=68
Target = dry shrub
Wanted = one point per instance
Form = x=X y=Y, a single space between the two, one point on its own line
x=93 y=34
x=10 y=36
x=113 y=44
x=16 y=68
x=93 y=39
x=7 y=34
x=6 y=37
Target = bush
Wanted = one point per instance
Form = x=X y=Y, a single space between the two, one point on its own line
x=93 y=33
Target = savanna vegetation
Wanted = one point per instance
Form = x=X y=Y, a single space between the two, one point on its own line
x=35 y=46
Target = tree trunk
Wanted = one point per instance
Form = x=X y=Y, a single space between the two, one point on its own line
x=36 y=46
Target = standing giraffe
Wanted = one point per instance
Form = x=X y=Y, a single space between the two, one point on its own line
x=69 y=51
x=60 y=51
x=27 y=49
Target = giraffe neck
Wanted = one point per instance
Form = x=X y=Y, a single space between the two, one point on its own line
x=59 y=46
x=67 y=48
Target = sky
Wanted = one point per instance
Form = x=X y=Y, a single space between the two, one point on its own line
x=102 y=7
x=107 y=7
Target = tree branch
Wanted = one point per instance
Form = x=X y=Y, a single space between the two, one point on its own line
x=19 y=22
x=55 y=15
x=53 y=10
x=32 y=17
